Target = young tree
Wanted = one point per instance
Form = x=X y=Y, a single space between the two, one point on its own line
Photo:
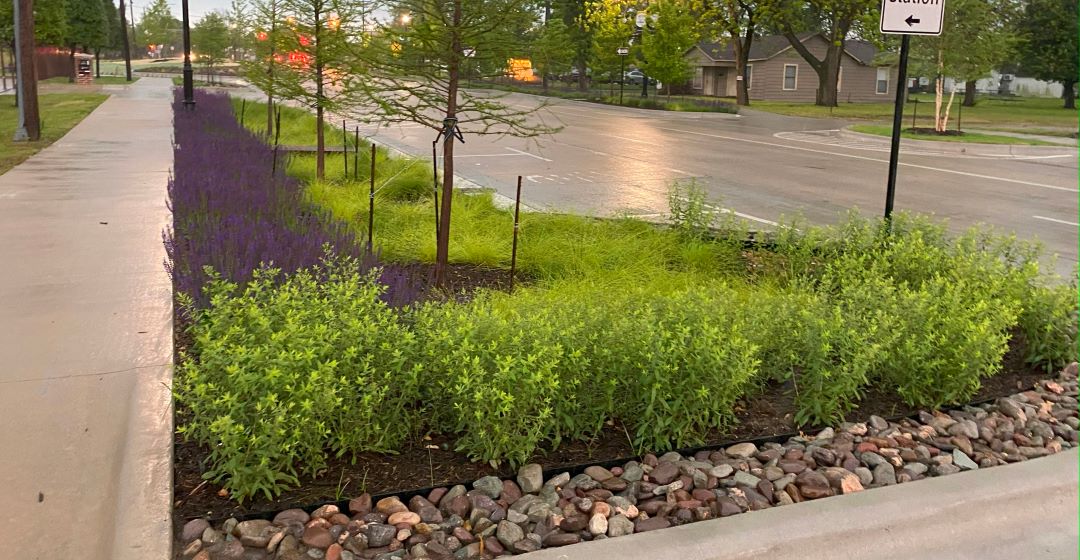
x=574 y=16
x=1048 y=49
x=663 y=52
x=238 y=19
x=974 y=39
x=269 y=45
x=210 y=39
x=611 y=25
x=414 y=72
x=319 y=52
x=835 y=20
x=158 y=25
x=552 y=50
x=87 y=27
x=112 y=33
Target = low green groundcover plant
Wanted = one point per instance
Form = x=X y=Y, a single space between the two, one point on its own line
x=657 y=330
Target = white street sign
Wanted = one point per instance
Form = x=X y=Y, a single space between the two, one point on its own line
x=639 y=20
x=622 y=51
x=912 y=17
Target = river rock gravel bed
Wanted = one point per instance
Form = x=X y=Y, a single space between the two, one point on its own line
x=497 y=517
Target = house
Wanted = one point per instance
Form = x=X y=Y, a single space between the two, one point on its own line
x=776 y=72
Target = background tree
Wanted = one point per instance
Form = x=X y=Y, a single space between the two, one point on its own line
x=270 y=34
x=316 y=40
x=1048 y=46
x=574 y=16
x=663 y=52
x=238 y=19
x=552 y=50
x=158 y=25
x=737 y=21
x=835 y=20
x=86 y=27
x=210 y=40
x=975 y=38
x=113 y=30
x=611 y=25
x=413 y=73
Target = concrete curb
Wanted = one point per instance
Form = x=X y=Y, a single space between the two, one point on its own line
x=1024 y=510
x=967 y=148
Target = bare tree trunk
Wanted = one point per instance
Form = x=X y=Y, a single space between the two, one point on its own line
x=945 y=117
x=320 y=136
x=442 y=249
x=71 y=65
x=97 y=63
x=742 y=58
x=827 y=69
x=1068 y=93
x=969 y=93
x=582 y=79
x=126 y=44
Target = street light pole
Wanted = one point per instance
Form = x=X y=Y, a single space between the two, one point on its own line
x=189 y=86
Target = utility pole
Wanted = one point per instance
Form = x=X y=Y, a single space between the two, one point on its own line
x=134 y=38
x=29 y=128
x=126 y=44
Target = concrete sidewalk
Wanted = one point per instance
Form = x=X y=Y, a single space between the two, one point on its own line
x=86 y=339
x=1025 y=510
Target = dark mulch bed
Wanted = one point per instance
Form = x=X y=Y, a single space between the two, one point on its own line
x=933 y=132
x=416 y=466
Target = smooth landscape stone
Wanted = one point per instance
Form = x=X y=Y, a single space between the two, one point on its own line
x=317 y=537
x=619 y=526
x=255 y=533
x=722 y=471
x=599 y=474
x=561 y=539
x=389 y=506
x=741 y=450
x=379 y=535
x=404 y=518
x=884 y=475
x=746 y=479
x=664 y=473
x=524 y=546
x=961 y=460
x=598 y=524
x=194 y=529
x=509 y=533
x=491 y=486
x=651 y=524
x=632 y=472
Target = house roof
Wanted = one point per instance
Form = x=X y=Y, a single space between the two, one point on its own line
x=768 y=46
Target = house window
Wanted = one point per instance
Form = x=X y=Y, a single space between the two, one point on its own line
x=699 y=77
x=791 y=76
x=882 y=80
x=749 y=76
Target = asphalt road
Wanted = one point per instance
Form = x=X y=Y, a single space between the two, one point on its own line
x=765 y=167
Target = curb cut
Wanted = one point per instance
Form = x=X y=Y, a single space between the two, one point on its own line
x=966 y=148
x=1023 y=510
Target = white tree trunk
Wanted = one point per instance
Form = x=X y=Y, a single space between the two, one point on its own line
x=939 y=87
x=945 y=118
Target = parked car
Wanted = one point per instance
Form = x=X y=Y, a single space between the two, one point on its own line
x=635 y=77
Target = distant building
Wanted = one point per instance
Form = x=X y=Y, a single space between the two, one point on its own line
x=776 y=72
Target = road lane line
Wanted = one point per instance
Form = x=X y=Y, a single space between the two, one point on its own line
x=680 y=171
x=853 y=156
x=519 y=152
x=1056 y=220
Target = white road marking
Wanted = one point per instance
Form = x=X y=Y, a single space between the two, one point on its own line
x=853 y=156
x=1056 y=220
x=815 y=137
x=679 y=171
x=520 y=152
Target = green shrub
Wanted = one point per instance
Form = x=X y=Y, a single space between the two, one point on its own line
x=288 y=369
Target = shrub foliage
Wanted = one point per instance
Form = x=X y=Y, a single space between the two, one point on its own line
x=626 y=325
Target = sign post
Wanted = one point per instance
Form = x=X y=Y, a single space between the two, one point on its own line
x=907 y=18
x=622 y=52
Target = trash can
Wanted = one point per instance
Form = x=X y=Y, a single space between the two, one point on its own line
x=84 y=69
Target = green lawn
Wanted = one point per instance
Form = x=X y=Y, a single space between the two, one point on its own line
x=59 y=112
x=1016 y=114
x=972 y=137
x=104 y=80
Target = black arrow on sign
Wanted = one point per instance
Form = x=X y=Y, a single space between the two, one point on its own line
x=912 y=20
